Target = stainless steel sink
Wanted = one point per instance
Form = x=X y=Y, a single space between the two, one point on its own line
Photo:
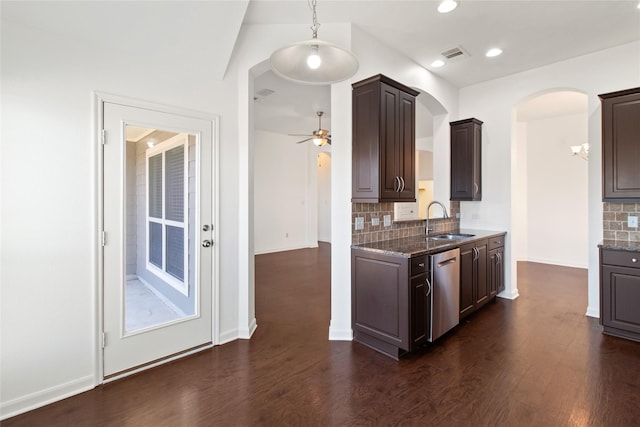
x=451 y=236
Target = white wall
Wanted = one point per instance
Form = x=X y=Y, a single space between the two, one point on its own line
x=282 y=196
x=49 y=314
x=48 y=167
x=324 y=196
x=375 y=58
x=493 y=102
x=255 y=44
x=557 y=202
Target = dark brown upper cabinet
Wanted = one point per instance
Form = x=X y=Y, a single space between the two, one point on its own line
x=466 y=159
x=384 y=141
x=621 y=146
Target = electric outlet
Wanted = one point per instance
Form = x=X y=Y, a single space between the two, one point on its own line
x=359 y=223
x=375 y=222
x=632 y=221
x=387 y=220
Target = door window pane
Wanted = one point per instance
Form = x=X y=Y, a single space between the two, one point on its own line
x=155 y=244
x=175 y=252
x=155 y=186
x=174 y=160
x=167 y=212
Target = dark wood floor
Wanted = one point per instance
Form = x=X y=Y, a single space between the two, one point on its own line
x=535 y=361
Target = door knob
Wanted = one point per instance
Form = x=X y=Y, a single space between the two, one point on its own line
x=206 y=243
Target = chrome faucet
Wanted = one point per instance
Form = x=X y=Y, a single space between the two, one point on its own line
x=444 y=211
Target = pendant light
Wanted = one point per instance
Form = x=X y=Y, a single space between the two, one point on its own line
x=314 y=61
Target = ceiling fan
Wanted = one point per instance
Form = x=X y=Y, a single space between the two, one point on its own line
x=318 y=137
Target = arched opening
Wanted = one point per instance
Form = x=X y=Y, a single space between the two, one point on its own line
x=291 y=198
x=550 y=184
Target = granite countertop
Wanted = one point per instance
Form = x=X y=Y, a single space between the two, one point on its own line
x=418 y=245
x=620 y=245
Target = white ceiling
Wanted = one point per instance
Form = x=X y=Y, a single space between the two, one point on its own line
x=531 y=33
x=292 y=107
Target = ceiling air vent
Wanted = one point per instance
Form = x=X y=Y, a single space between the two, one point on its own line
x=455 y=53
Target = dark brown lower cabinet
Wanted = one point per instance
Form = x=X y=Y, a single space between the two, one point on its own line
x=474 y=284
x=620 y=293
x=390 y=306
x=391 y=294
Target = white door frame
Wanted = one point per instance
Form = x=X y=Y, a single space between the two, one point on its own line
x=99 y=99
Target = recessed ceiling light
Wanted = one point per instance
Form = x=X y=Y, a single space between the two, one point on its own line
x=447 y=6
x=494 y=52
x=437 y=63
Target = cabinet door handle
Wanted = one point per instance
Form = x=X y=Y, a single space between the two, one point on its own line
x=634 y=260
x=476 y=254
x=402 y=180
x=426 y=294
x=396 y=183
x=421 y=265
x=475 y=188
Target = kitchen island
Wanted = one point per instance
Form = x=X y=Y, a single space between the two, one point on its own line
x=393 y=287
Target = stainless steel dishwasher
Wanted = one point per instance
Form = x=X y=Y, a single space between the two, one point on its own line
x=445 y=294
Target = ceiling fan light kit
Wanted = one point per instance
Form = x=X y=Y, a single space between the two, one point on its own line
x=314 y=61
x=319 y=137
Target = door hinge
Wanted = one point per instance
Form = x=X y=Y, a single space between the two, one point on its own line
x=104 y=339
x=103 y=238
x=103 y=136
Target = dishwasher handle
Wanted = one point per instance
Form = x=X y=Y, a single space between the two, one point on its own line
x=447 y=261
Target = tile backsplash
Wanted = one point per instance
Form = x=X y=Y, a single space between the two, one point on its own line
x=375 y=233
x=615 y=221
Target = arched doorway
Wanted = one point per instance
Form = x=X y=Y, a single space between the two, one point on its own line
x=550 y=185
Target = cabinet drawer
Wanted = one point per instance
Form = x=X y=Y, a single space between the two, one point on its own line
x=496 y=242
x=419 y=265
x=621 y=258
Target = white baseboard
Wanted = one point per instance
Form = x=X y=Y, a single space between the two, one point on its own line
x=41 y=398
x=555 y=262
x=593 y=312
x=512 y=294
x=284 y=249
x=227 y=336
x=247 y=332
x=340 y=334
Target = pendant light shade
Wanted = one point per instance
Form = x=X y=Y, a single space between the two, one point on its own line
x=314 y=61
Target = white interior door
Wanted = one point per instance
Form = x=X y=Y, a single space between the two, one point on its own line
x=158 y=251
